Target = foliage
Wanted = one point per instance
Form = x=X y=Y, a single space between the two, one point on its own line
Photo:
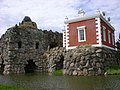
x=84 y=46
x=118 y=48
x=58 y=72
x=118 y=54
x=10 y=87
x=79 y=46
x=113 y=70
x=118 y=42
x=87 y=46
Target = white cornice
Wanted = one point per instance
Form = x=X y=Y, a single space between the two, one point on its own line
x=107 y=22
x=82 y=18
x=90 y=17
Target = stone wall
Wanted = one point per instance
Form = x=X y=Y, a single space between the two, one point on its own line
x=25 y=47
x=55 y=58
x=82 y=61
x=19 y=45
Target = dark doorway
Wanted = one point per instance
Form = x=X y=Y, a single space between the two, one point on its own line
x=37 y=45
x=30 y=67
x=59 y=64
x=19 y=44
x=53 y=44
x=2 y=67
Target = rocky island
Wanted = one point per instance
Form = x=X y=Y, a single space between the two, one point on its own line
x=25 y=48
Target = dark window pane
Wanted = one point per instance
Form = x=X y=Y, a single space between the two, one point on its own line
x=81 y=32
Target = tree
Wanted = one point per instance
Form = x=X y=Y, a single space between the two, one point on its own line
x=118 y=42
x=118 y=48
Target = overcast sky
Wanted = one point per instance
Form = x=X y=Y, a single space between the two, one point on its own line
x=50 y=14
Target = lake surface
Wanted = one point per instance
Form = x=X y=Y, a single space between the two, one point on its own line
x=39 y=81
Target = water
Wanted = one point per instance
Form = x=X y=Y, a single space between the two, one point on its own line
x=38 y=81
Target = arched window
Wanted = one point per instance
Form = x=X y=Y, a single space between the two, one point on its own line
x=37 y=45
x=19 y=44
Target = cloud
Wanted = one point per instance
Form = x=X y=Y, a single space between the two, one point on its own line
x=50 y=14
x=44 y=12
x=111 y=8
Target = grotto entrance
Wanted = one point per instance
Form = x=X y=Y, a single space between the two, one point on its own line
x=53 y=44
x=59 y=64
x=30 y=67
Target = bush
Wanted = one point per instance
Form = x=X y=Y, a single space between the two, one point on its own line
x=58 y=72
x=84 y=46
x=118 y=49
x=113 y=70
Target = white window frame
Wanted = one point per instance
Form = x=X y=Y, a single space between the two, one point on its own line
x=104 y=33
x=113 y=42
x=109 y=39
x=81 y=28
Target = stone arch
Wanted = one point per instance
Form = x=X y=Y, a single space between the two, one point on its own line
x=30 y=67
x=59 y=64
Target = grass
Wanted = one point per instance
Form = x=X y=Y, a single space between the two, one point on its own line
x=10 y=87
x=58 y=72
x=113 y=70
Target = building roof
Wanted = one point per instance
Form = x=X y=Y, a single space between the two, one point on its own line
x=89 y=17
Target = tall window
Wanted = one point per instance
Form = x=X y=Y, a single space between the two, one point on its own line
x=81 y=34
x=104 y=33
x=109 y=37
x=19 y=44
x=37 y=45
x=113 y=42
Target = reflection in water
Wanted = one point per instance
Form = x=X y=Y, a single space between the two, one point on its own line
x=40 y=81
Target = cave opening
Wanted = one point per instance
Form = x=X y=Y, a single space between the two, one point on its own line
x=53 y=45
x=59 y=64
x=30 y=67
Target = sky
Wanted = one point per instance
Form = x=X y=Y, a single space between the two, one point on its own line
x=50 y=14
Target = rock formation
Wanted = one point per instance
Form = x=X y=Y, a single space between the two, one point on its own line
x=22 y=47
x=90 y=61
x=28 y=23
x=25 y=48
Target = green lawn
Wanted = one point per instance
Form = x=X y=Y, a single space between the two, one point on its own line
x=10 y=87
x=113 y=70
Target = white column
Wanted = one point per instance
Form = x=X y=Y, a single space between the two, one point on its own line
x=67 y=35
x=98 y=31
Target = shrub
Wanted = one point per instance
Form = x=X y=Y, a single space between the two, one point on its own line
x=84 y=46
x=118 y=49
x=113 y=70
x=58 y=72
